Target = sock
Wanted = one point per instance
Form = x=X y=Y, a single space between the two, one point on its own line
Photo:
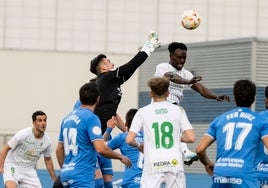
x=99 y=183
x=108 y=184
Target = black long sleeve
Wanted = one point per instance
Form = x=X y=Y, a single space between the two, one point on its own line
x=127 y=70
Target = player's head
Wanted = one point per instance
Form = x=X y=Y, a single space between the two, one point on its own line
x=94 y=63
x=159 y=87
x=266 y=97
x=244 y=93
x=129 y=117
x=177 y=54
x=100 y=64
x=39 y=121
x=89 y=94
x=38 y=113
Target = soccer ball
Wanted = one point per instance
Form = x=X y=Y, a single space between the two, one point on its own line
x=190 y=19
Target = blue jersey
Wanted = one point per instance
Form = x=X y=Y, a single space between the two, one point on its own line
x=238 y=132
x=133 y=174
x=78 y=131
x=262 y=157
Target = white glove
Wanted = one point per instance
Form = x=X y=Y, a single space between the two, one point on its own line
x=153 y=38
x=152 y=43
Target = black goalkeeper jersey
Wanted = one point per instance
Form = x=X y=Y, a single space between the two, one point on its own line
x=109 y=85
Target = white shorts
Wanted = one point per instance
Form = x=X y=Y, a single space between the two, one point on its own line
x=23 y=177
x=169 y=179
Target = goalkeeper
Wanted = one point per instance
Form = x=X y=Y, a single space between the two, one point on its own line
x=109 y=80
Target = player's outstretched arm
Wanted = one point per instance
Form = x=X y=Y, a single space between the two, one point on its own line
x=120 y=123
x=127 y=70
x=179 y=80
x=130 y=140
x=104 y=150
x=207 y=93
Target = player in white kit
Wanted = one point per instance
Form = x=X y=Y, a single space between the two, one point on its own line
x=179 y=77
x=19 y=156
x=164 y=125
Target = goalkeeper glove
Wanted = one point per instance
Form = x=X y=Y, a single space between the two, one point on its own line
x=152 y=43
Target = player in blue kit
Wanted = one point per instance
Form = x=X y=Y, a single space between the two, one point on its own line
x=262 y=157
x=238 y=133
x=132 y=176
x=80 y=140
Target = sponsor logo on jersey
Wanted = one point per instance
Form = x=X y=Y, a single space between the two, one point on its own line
x=232 y=180
x=164 y=164
x=96 y=130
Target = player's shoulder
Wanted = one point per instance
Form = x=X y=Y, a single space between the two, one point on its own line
x=106 y=76
x=264 y=114
x=177 y=108
x=180 y=108
x=47 y=138
x=185 y=72
x=25 y=131
x=163 y=65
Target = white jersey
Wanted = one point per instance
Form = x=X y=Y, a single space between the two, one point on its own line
x=26 y=149
x=162 y=123
x=175 y=90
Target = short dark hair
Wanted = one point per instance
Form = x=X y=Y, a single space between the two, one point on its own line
x=244 y=93
x=88 y=94
x=266 y=92
x=94 y=63
x=176 y=45
x=38 y=113
x=129 y=116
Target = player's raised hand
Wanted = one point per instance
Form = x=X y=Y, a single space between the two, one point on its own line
x=152 y=43
x=153 y=38
x=112 y=122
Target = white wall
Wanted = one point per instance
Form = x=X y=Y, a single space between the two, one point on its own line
x=48 y=81
x=120 y=26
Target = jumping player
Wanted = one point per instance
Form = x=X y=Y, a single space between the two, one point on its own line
x=179 y=77
x=109 y=80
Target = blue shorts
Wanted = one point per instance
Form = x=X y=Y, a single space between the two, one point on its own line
x=233 y=182
x=105 y=165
